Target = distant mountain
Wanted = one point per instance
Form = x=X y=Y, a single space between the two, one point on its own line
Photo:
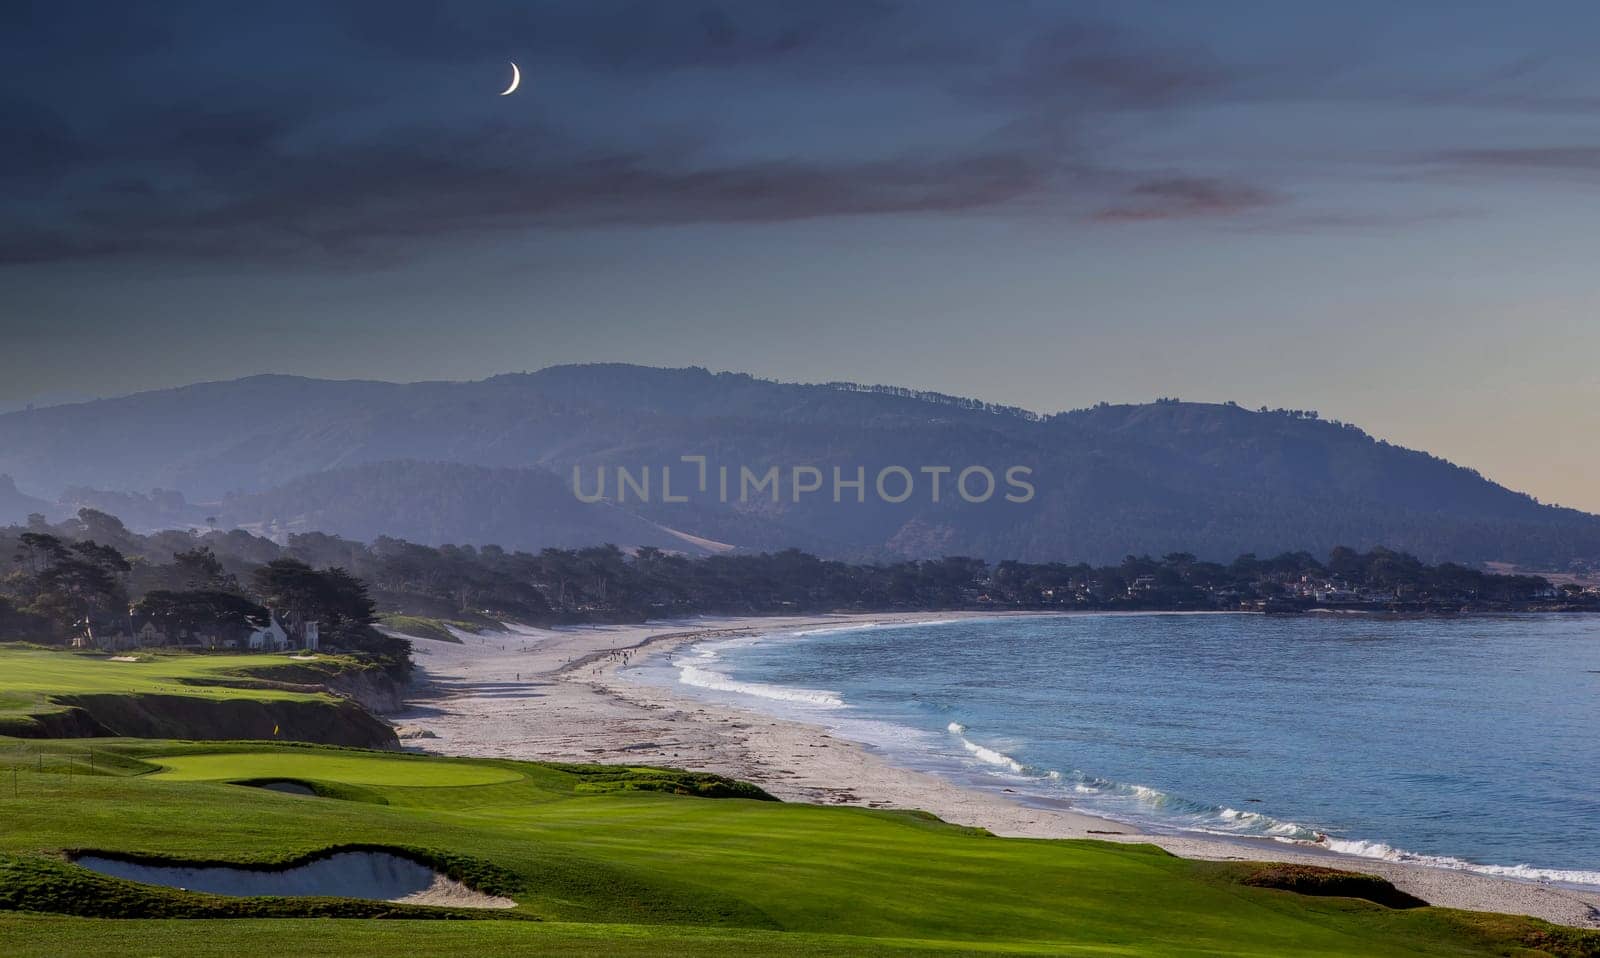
x=436 y=503
x=493 y=462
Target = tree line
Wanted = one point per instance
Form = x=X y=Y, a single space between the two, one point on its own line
x=90 y=574
x=60 y=576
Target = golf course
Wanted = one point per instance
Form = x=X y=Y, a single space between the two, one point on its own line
x=566 y=859
x=49 y=693
x=602 y=860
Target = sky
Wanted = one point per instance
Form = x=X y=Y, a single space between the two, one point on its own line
x=1385 y=212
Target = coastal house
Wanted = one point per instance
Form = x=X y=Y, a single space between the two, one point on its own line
x=275 y=637
x=120 y=634
x=124 y=633
x=271 y=637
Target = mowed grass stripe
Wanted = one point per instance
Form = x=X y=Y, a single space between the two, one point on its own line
x=350 y=769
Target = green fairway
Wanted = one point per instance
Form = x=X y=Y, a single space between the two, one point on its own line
x=167 y=694
x=333 y=767
x=30 y=677
x=38 y=937
x=612 y=863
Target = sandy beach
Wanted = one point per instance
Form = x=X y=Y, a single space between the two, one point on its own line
x=555 y=694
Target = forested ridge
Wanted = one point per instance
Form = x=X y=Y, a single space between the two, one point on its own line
x=492 y=463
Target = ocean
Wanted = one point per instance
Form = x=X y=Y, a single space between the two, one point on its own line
x=1466 y=742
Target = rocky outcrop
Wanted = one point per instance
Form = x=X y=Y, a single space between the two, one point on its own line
x=373 y=688
x=66 y=723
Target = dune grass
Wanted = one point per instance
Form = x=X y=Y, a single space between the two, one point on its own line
x=623 y=871
x=425 y=627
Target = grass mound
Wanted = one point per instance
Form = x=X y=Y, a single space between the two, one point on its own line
x=423 y=627
x=337 y=791
x=600 y=779
x=1316 y=880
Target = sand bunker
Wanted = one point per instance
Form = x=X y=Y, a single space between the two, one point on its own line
x=288 y=788
x=374 y=876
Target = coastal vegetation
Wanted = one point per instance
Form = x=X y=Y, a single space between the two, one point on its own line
x=427 y=627
x=625 y=870
x=60 y=582
x=91 y=583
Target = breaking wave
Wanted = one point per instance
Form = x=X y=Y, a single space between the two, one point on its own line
x=1388 y=853
x=990 y=756
x=695 y=667
x=695 y=670
x=1142 y=805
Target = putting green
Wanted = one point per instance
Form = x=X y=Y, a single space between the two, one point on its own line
x=348 y=769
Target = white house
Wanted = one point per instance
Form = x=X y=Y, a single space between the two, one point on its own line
x=269 y=638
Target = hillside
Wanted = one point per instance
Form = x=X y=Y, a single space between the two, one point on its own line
x=15 y=505
x=491 y=461
x=432 y=502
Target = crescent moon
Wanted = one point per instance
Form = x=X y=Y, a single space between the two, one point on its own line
x=516 y=79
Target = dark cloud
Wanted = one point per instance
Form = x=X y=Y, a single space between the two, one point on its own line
x=1187 y=197
x=625 y=35
x=1091 y=65
x=357 y=199
x=304 y=129
x=299 y=164
x=1356 y=220
x=52 y=29
x=39 y=145
x=1566 y=160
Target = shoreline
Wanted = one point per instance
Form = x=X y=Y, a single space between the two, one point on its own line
x=557 y=695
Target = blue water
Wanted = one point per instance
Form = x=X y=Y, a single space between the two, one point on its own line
x=1468 y=742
